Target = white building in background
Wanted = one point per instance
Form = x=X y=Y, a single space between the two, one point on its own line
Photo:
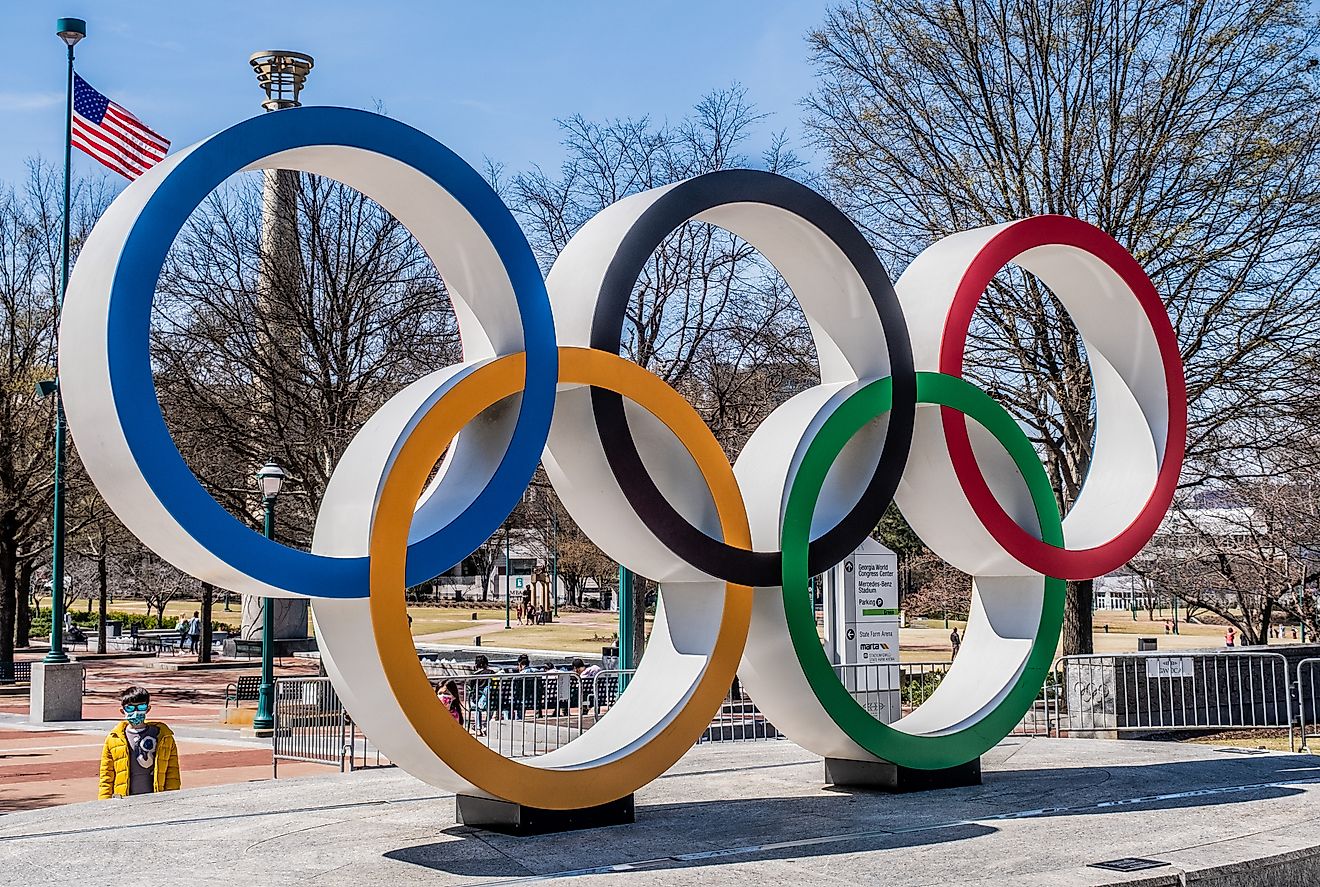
x=1119 y=591
x=527 y=576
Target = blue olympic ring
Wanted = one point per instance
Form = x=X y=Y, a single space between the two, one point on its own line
x=128 y=326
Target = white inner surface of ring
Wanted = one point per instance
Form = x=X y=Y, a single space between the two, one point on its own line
x=1131 y=392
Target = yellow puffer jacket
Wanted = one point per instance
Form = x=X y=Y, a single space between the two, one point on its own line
x=114 y=762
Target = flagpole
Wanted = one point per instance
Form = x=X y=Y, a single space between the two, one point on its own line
x=70 y=30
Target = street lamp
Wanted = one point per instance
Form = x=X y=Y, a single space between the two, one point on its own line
x=554 y=561
x=282 y=73
x=70 y=30
x=271 y=478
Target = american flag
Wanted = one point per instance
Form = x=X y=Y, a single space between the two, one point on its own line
x=112 y=135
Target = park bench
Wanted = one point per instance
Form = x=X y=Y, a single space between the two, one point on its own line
x=18 y=673
x=156 y=640
x=246 y=689
x=21 y=673
x=247 y=647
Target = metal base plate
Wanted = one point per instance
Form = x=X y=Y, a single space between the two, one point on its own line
x=890 y=777
x=515 y=819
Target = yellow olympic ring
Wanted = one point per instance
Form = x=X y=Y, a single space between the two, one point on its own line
x=523 y=783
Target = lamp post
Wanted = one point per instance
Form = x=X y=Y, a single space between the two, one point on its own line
x=626 y=640
x=508 y=580
x=554 y=561
x=70 y=30
x=271 y=478
x=281 y=74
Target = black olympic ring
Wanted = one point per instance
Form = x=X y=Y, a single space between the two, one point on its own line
x=681 y=204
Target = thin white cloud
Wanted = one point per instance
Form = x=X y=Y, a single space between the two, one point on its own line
x=29 y=101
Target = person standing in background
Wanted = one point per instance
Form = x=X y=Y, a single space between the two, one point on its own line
x=195 y=631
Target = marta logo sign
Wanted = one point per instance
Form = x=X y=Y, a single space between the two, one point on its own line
x=733 y=547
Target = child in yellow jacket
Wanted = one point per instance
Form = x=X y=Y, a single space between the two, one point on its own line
x=139 y=756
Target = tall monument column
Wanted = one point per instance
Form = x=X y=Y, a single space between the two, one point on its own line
x=281 y=74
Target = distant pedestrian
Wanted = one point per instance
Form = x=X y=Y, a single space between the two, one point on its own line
x=450 y=698
x=1294 y=634
x=139 y=756
x=1168 y=629
x=479 y=695
x=182 y=628
x=195 y=632
x=955 y=642
x=586 y=681
x=1230 y=638
x=522 y=687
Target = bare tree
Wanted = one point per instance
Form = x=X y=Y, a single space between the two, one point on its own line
x=30 y=219
x=239 y=383
x=939 y=590
x=154 y=580
x=1187 y=130
x=708 y=314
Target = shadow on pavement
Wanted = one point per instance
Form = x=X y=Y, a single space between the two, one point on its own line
x=703 y=833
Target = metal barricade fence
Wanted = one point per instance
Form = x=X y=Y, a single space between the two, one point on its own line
x=523 y=714
x=890 y=691
x=527 y=714
x=739 y=720
x=1308 y=704
x=1107 y=695
x=312 y=726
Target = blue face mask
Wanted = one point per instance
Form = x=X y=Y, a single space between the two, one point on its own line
x=136 y=714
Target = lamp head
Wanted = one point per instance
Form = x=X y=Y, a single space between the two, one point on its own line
x=70 y=30
x=281 y=73
x=271 y=477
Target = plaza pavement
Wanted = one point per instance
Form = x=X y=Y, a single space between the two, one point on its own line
x=44 y=765
x=734 y=813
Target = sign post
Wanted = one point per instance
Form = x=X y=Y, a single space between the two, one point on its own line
x=861 y=627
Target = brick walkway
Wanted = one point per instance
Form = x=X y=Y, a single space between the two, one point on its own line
x=41 y=767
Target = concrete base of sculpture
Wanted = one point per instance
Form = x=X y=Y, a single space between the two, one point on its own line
x=57 y=692
x=889 y=777
x=235 y=647
x=291 y=620
x=515 y=819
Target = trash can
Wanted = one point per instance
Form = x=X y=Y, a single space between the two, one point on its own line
x=1145 y=644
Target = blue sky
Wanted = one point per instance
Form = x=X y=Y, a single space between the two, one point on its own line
x=488 y=79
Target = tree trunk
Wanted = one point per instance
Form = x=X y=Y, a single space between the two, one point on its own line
x=8 y=593
x=103 y=597
x=1077 y=621
x=204 y=645
x=23 y=623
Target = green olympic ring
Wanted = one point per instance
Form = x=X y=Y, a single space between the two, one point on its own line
x=882 y=740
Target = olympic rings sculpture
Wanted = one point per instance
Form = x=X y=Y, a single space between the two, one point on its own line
x=733 y=547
